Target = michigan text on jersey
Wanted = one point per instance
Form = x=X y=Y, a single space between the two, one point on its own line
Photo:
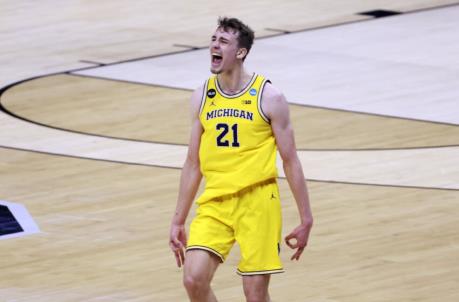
x=230 y=113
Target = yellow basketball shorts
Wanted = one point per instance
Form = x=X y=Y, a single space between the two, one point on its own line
x=252 y=218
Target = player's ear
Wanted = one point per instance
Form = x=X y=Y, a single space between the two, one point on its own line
x=241 y=53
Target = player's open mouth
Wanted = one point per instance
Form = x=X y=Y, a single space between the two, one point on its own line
x=216 y=59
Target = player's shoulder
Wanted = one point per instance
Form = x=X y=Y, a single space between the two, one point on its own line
x=198 y=93
x=197 y=98
x=273 y=101
x=271 y=93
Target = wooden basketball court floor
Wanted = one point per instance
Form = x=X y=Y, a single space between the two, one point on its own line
x=94 y=127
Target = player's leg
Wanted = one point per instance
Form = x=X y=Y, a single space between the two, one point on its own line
x=256 y=288
x=209 y=242
x=258 y=232
x=199 y=269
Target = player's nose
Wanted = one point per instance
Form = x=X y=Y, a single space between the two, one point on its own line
x=214 y=45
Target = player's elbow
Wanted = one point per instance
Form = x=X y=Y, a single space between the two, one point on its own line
x=192 y=162
x=290 y=159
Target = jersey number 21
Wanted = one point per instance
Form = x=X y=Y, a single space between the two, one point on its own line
x=222 y=139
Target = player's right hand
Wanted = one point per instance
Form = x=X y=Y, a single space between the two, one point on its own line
x=177 y=242
x=300 y=237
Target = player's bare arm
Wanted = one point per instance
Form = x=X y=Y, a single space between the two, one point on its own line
x=275 y=106
x=189 y=182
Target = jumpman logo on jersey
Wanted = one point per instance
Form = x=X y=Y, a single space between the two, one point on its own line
x=212 y=104
x=273 y=196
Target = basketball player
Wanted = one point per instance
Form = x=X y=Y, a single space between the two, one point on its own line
x=238 y=120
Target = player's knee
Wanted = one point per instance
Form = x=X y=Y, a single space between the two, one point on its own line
x=195 y=283
x=253 y=295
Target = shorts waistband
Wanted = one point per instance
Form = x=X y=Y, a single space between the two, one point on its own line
x=245 y=190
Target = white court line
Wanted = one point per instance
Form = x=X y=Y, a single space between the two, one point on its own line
x=403 y=66
x=427 y=167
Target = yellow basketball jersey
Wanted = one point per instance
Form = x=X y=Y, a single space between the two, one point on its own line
x=237 y=148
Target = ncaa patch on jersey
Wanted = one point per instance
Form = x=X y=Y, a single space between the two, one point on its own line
x=211 y=93
x=253 y=92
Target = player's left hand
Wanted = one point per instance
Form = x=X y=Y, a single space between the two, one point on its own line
x=177 y=242
x=301 y=236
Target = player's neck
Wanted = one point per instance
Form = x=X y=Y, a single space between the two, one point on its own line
x=232 y=82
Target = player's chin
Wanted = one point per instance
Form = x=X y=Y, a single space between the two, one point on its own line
x=215 y=70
